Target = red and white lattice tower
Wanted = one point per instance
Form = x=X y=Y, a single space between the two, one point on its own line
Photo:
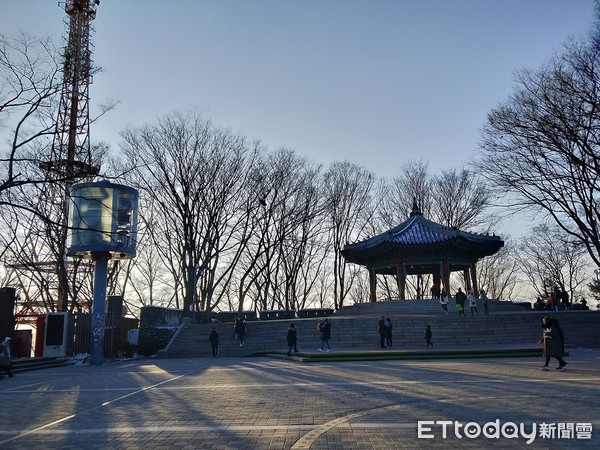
x=71 y=154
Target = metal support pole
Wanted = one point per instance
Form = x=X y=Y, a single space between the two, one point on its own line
x=100 y=277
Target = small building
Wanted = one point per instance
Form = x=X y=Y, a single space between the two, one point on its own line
x=419 y=246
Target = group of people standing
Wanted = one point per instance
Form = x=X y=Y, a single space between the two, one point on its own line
x=462 y=300
x=557 y=301
x=384 y=327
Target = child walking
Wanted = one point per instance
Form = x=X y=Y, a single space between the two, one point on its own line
x=428 y=335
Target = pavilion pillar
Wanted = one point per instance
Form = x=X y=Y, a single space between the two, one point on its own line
x=446 y=276
x=467 y=280
x=401 y=280
x=372 y=284
x=474 y=280
x=436 y=283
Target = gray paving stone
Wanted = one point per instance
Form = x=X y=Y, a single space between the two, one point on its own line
x=259 y=403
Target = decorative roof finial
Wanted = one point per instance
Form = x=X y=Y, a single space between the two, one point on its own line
x=415 y=209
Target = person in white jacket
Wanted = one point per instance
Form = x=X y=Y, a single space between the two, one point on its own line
x=5 y=357
x=472 y=303
x=444 y=301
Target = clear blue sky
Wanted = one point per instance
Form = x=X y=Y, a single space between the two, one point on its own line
x=377 y=83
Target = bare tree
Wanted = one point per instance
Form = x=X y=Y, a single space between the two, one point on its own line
x=30 y=84
x=194 y=174
x=455 y=198
x=301 y=251
x=459 y=198
x=542 y=145
x=351 y=202
x=146 y=280
x=549 y=257
x=31 y=258
x=279 y=268
x=30 y=88
x=413 y=184
x=499 y=273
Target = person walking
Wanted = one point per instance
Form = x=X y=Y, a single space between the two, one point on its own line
x=444 y=301
x=553 y=344
x=557 y=298
x=292 y=339
x=388 y=332
x=5 y=357
x=318 y=329
x=460 y=302
x=551 y=301
x=382 y=331
x=472 y=303
x=483 y=297
x=240 y=330
x=213 y=338
x=325 y=329
x=565 y=300
x=428 y=335
x=236 y=327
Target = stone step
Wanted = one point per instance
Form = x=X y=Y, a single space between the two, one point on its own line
x=27 y=364
x=361 y=331
x=377 y=355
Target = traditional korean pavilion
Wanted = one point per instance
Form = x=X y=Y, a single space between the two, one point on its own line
x=419 y=246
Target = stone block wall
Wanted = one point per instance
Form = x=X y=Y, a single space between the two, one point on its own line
x=157 y=326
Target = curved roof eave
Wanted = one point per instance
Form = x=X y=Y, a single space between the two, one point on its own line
x=418 y=235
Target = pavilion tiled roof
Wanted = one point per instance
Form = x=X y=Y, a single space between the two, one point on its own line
x=418 y=233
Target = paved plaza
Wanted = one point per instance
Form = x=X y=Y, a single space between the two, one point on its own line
x=262 y=403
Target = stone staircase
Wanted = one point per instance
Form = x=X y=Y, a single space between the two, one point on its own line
x=354 y=331
x=28 y=364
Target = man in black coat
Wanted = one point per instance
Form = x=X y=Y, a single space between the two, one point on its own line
x=461 y=298
x=382 y=331
x=325 y=329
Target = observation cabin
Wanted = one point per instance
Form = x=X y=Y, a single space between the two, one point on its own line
x=102 y=221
